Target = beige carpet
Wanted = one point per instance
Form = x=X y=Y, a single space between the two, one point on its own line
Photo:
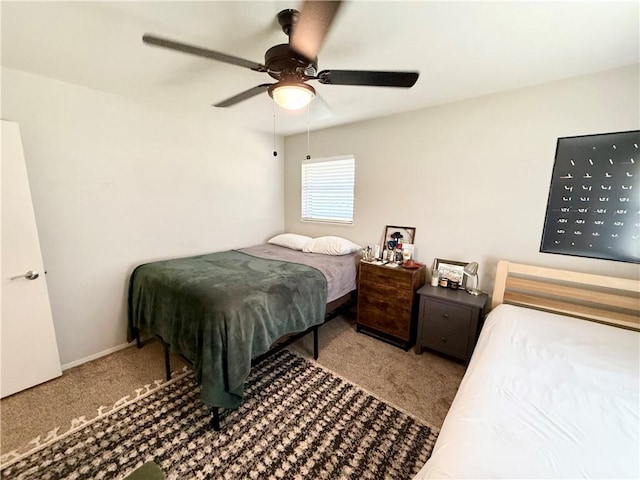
x=423 y=385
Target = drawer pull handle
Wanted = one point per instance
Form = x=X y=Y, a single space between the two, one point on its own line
x=444 y=339
x=445 y=315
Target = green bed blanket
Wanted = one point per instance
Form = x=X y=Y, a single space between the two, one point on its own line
x=220 y=310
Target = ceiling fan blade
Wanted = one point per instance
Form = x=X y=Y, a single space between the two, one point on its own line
x=252 y=92
x=312 y=26
x=202 y=52
x=371 y=78
x=320 y=109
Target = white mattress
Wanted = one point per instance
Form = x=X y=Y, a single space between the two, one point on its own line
x=545 y=396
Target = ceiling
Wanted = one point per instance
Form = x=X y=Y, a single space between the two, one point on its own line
x=461 y=49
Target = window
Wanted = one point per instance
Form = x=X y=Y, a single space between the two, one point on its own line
x=327 y=189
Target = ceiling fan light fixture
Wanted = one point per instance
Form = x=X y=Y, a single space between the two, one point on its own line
x=292 y=96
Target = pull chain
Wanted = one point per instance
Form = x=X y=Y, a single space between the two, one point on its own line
x=308 y=110
x=275 y=151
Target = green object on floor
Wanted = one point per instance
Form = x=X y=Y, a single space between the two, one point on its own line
x=148 y=471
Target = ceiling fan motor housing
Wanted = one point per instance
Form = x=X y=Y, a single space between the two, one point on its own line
x=282 y=61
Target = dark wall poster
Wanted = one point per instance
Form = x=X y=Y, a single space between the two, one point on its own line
x=594 y=199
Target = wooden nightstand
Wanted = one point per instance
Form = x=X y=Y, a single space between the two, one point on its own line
x=387 y=303
x=450 y=321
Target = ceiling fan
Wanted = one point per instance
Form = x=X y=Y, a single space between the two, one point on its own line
x=295 y=63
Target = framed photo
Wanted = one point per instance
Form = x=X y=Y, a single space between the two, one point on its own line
x=398 y=235
x=451 y=268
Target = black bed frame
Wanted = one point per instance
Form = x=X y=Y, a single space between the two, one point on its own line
x=333 y=310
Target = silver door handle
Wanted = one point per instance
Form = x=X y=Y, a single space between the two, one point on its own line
x=30 y=275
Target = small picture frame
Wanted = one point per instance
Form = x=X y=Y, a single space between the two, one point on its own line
x=451 y=268
x=397 y=235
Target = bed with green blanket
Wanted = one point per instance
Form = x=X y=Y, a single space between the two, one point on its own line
x=221 y=310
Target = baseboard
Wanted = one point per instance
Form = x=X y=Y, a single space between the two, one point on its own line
x=95 y=356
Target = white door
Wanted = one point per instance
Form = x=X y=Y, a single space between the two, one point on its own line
x=29 y=352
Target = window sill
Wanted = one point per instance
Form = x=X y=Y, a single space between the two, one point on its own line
x=327 y=222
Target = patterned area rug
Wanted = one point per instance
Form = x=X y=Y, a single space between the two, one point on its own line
x=298 y=421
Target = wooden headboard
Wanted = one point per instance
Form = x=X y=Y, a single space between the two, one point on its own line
x=603 y=299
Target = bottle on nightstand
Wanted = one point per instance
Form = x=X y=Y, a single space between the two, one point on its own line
x=434 y=278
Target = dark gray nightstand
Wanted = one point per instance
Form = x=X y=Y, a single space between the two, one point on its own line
x=450 y=321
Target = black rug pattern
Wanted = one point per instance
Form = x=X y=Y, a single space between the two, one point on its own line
x=298 y=421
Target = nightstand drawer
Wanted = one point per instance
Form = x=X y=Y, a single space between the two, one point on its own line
x=385 y=316
x=386 y=292
x=446 y=328
x=396 y=278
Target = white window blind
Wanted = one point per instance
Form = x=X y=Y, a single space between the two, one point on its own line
x=327 y=189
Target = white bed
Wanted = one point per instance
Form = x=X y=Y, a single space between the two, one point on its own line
x=547 y=395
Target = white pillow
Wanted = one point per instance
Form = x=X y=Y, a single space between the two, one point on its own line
x=331 y=246
x=290 y=240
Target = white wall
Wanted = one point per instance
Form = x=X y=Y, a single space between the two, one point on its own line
x=116 y=183
x=473 y=176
